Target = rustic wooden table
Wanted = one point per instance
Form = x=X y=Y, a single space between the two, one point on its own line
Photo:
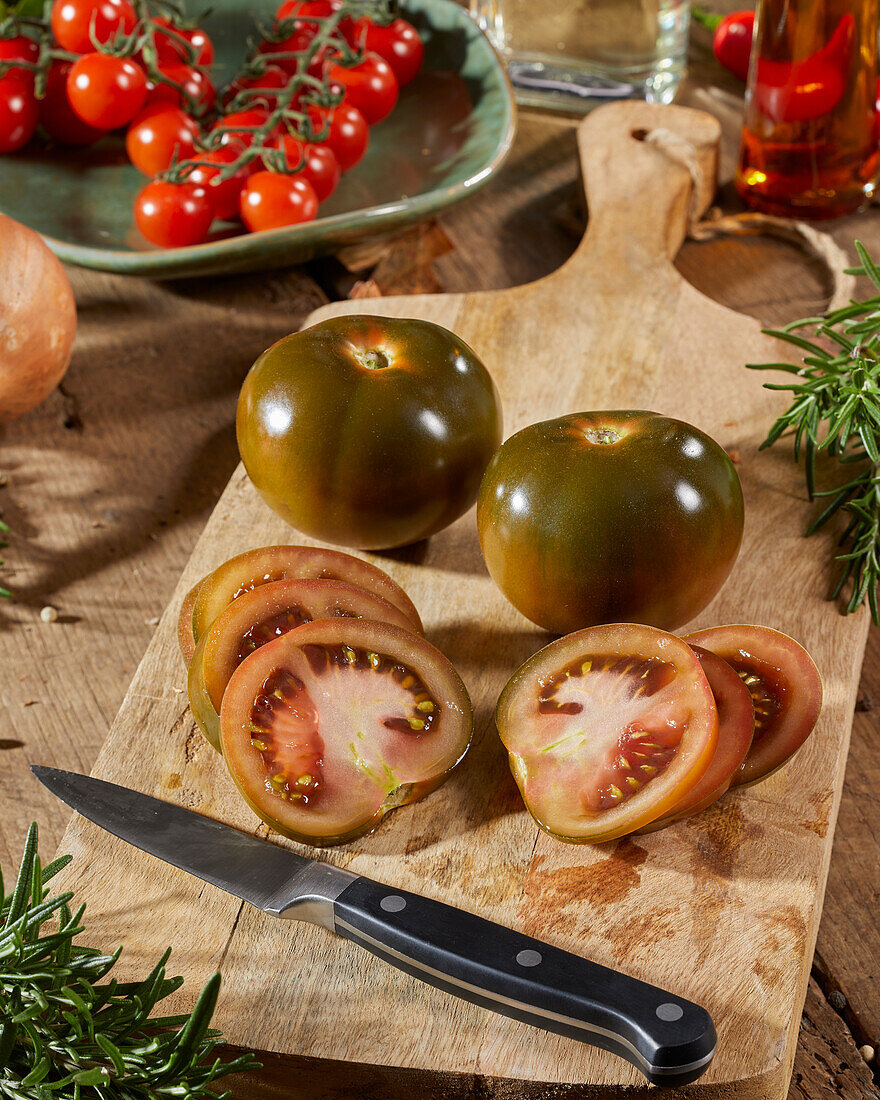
x=109 y=483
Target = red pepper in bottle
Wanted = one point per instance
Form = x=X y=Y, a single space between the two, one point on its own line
x=796 y=91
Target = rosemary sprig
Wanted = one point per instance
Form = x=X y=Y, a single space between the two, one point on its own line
x=65 y=1034
x=835 y=408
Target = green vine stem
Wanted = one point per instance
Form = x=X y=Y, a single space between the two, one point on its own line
x=66 y=1033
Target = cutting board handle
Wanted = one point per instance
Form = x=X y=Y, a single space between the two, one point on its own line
x=648 y=170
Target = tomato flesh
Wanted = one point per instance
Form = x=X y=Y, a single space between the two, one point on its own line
x=331 y=725
x=784 y=685
x=736 y=724
x=274 y=563
x=607 y=729
x=258 y=617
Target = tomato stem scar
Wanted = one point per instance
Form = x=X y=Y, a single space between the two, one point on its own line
x=601 y=435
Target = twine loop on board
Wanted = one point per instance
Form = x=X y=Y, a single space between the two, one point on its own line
x=751 y=223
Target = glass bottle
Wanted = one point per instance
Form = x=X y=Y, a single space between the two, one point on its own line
x=809 y=139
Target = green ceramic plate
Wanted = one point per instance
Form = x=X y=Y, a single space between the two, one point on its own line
x=450 y=131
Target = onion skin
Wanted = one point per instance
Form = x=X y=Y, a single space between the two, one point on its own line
x=37 y=320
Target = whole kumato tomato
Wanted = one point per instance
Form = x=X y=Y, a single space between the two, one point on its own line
x=369 y=432
x=604 y=517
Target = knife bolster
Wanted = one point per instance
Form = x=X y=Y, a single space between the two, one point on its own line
x=311 y=895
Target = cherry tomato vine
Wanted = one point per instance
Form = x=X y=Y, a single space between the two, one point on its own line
x=272 y=146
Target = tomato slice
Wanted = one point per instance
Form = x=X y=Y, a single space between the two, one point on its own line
x=274 y=563
x=330 y=726
x=736 y=725
x=258 y=617
x=607 y=729
x=185 y=638
x=785 y=687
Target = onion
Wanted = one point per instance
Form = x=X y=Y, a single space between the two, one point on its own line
x=37 y=320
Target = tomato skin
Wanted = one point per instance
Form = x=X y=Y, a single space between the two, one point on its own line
x=644 y=528
x=319 y=164
x=368 y=456
x=71 y=22
x=158 y=136
x=19 y=113
x=265 y=564
x=57 y=116
x=19 y=48
x=370 y=85
x=388 y=768
x=105 y=91
x=574 y=719
x=190 y=85
x=306 y=11
x=348 y=134
x=786 y=689
x=168 y=49
x=398 y=43
x=225 y=195
x=172 y=215
x=269 y=201
x=238 y=129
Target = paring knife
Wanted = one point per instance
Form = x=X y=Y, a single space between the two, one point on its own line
x=669 y=1039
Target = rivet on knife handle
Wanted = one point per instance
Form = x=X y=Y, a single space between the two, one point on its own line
x=670 y=1040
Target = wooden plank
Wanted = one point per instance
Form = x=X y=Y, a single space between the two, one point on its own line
x=616 y=326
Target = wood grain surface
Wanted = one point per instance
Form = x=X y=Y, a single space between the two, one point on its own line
x=723 y=909
x=103 y=535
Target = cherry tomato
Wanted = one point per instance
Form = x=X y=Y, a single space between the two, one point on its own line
x=304 y=11
x=172 y=215
x=224 y=194
x=397 y=42
x=158 y=136
x=319 y=164
x=328 y=727
x=19 y=48
x=75 y=21
x=270 y=82
x=106 y=91
x=258 y=617
x=19 y=113
x=270 y=201
x=736 y=727
x=238 y=128
x=370 y=85
x=196 y=49
x=785 y=687
x=188 y=86
x=214 y=593
x=368 y=431
x=607 y=729
x=297 y=42
x=347 y=133
x=624 y=517
x=57 y=117
x=732 y=42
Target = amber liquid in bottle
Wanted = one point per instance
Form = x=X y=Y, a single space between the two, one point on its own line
x=809 y=140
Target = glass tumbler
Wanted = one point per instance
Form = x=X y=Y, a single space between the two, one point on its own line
x=571 y=55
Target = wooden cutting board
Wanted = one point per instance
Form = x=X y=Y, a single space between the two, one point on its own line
x=722 y=909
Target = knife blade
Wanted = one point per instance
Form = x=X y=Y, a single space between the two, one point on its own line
x=671 y=1040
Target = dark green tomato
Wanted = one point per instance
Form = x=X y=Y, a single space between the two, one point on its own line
x=606 y=517
x=369 y=432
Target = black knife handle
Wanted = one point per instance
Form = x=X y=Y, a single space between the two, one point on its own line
x=669 y=1039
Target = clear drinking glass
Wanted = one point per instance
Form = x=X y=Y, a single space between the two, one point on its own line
x=571 y=55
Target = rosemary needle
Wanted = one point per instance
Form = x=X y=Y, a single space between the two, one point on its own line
x=66 y=1034
x=835 y=408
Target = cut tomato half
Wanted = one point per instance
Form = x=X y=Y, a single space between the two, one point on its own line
x=274 y=563
x=736 y=725
x=607 y=729
x=785 y=687
x=330 y=726
x=260 y=616
x=185 y=638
